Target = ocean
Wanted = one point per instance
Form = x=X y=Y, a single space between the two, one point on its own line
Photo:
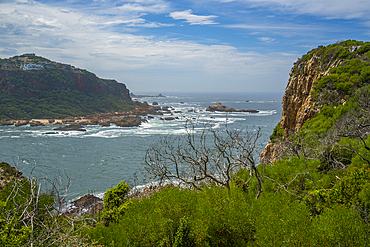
x=101 y=157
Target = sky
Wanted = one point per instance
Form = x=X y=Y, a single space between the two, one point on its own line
x=181 y=45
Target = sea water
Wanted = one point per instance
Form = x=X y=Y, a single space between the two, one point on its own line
x=101 y=157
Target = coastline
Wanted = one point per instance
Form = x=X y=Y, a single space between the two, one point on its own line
x=120 y=118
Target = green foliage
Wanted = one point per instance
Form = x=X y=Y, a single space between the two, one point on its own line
x=281 y=222
x=181 y=217
x=12 y=233
x=115 y=203
x=277 y=133
x=222 y=218
x=348 y=189
x=291 y=175
x=339 y=226
x=21 y=211
x=339 y=50
x=342 y=82
x=182 y=237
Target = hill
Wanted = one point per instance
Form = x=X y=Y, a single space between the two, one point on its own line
x=35 y=87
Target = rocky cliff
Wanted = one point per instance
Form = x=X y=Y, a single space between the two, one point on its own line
x=303 y=98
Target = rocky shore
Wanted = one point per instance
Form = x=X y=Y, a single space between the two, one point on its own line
x=122 y=119
x=132 y=118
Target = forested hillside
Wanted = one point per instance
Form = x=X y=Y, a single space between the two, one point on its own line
x=35 y=87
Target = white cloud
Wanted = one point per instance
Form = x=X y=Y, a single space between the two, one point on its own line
x=86 y=40
x=147 y=8
x=343 y=9
x=266 y=39
x=193 y=19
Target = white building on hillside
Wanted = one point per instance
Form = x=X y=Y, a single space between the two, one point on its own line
x=31 y=66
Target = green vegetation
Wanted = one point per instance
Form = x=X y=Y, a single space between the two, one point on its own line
x=57 y=91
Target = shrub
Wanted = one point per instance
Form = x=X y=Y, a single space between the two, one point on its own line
x=222 y=218
x=280 y=221
x=115 y=202
x=339 y=226
x=181 y=217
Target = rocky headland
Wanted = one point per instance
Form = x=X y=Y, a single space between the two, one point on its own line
x=299 y=104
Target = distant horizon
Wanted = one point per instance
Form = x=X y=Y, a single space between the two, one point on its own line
x=150 y=93
x=196 y=45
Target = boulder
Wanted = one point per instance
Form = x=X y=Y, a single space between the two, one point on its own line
x=169 y=118
x=88 y=204
x=21 y=122
x=71 y=127
x=104 y=124
x=35 y=123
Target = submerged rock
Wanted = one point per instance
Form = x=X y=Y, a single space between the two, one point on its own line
x=51 y=133
x=168 y=118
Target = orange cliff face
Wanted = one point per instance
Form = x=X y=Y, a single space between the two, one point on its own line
x=298 y=106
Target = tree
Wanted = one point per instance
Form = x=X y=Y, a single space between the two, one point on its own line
x=204 y=156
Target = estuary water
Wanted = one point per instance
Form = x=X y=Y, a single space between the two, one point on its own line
x=101 y=157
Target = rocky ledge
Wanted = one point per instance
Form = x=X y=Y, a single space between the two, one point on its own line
x=222 y=108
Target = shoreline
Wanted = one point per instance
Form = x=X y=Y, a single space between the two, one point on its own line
x=120 y=118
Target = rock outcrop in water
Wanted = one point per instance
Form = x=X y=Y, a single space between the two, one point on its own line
x=222 y=108
x=88 y=204
x=71 y=127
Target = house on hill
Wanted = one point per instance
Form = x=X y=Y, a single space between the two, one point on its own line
x=31 y=66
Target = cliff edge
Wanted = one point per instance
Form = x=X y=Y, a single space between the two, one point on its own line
x=315 y=81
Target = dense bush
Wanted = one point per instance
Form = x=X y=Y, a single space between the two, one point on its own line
x=181 y=217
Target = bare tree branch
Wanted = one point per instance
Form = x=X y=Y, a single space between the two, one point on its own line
x=211 y=156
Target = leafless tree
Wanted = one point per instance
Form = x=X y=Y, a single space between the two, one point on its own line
x=204 y=155
x=37 y=204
